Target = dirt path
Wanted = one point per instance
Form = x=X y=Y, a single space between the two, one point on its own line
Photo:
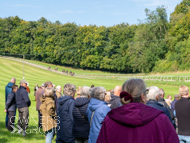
x=34 y=65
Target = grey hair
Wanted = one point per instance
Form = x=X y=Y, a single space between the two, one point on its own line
x=47 y=83
x=58 y=87
x=135 y=87
x=98 y=93
x=69 y=89
x=162 y=92
x=153 y=92
x=176 y=96
x=85 y=91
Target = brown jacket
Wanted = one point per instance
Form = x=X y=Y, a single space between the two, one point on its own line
x=38 y=97
x=47 y=108
x=58 y=94
x=27 y=89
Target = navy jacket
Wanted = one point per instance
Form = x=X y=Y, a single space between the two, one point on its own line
x=22 y=98
x=8 y=89
x=11 y=102
x=65 y=106
x=157 y=105
x=81 y=126
x=115 y=101
x=55 y=102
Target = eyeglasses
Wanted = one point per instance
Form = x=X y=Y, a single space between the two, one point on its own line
x=146 y=91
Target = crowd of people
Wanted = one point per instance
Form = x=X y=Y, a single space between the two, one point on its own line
x=131 y=113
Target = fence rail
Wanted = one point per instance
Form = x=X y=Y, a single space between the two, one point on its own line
x=146 y=78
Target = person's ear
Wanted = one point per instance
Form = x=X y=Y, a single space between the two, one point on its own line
x=157 y=97
x=143 y=98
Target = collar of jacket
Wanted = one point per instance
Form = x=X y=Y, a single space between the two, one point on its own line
x=154 y=102
x=161 y=99
x=182 y=98
x=23 y=87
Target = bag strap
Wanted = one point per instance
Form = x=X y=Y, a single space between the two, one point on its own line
x=81 y=113
x=91 y=118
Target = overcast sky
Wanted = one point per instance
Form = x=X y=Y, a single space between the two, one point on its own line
x=84 y=12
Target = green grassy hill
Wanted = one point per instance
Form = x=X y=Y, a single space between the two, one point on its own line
x=33 y=75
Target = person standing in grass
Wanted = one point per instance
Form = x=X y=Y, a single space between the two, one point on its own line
x=81 y=126
x=23 y=103
x=182 y=108
x=8 y=89
x=65 y=115
x=38 y=96
x=96 y=112
x=47 y=109
x=35 y=89
x=48 y=84
x=152 y=96
x=115 y=99
x=134 y=121
x=11 y=107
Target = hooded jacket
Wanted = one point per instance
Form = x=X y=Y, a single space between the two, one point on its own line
x=8 y=89
x=115 y=101
x=81 y=126
x=65 y=119
x=137 y=123
x=47 y=109
x=100 y=109
x=157 y=105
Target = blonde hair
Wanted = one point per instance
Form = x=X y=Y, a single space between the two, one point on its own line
x=183 y=90
x=108 y=97
x=135 y=87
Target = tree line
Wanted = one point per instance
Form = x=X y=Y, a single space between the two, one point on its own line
x=155 y=44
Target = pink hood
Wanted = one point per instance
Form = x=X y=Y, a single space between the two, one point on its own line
x=134 y=114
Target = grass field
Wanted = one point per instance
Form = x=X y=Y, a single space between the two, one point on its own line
x=33 y=75
x=97 y=72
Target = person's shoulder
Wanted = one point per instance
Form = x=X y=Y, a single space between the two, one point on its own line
x=161 y=117
x=49 y=100
x=178 y=102
x=11 y=93
x=164 y=109
x=160 y=104
x=104 y=107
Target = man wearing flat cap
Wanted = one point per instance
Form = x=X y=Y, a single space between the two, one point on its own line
x=23 y=102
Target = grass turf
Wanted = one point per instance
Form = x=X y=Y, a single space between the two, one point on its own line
x=33 y=75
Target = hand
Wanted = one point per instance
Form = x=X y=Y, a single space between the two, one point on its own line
x=5 y=111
